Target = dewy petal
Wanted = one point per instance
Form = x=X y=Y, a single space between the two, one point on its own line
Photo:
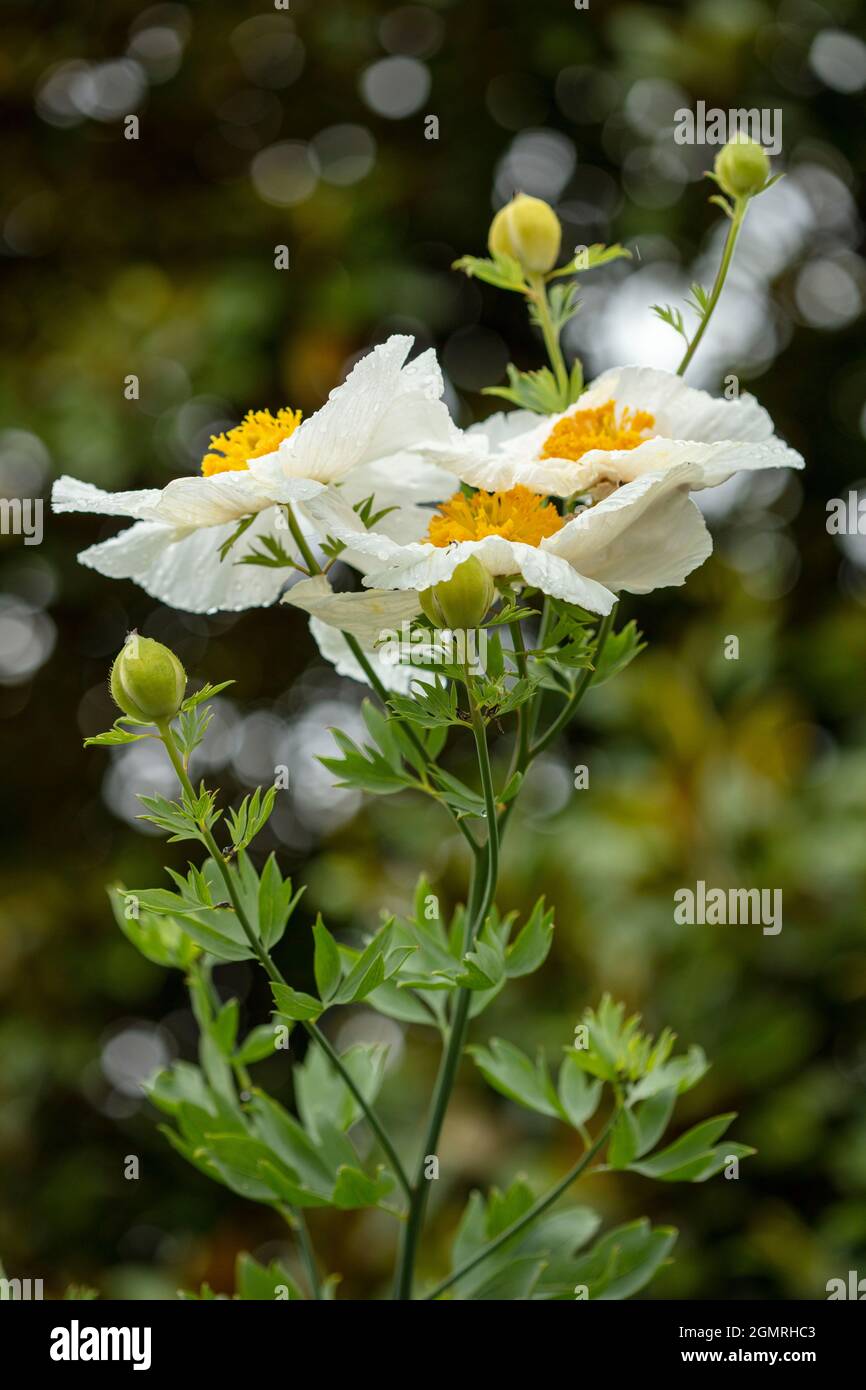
x=364 y=614
x=183 y=568
x=383 y=407
x=721 y=436
x=184 y=502
x=647 y=535
x=367 y=616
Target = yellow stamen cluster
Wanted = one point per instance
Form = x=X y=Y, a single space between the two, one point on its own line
x=518 y=515
x=259 y=433
x=597 y=428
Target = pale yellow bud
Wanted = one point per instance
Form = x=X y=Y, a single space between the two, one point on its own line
x=528 y=230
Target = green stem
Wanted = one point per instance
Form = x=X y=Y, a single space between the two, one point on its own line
x=736 y=223
x=549 y=334
x=372 y=1118
x=521 y=750
x=479 y=907
x=296 y=1222
x=309 y=559
x=271 y=968
x=536 y=1210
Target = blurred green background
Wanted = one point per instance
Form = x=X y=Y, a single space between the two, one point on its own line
x=259 y=127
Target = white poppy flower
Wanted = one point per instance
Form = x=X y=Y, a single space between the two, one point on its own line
x=647 y=535
x=378 y=413
x=631 y=421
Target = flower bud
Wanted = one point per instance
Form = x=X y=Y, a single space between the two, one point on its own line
x=528 y=230
x=147 y=680
x=742 y=167
x=462 y=601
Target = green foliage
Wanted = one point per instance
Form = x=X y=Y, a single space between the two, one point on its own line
x=502 y=271
x=251 y=817
x=539 y=390
x=645 y=1081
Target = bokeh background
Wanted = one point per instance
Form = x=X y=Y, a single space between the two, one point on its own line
x=305 y=127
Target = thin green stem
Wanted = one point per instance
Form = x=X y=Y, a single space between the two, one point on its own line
x=270 y=966
x=309 y=559
x=297 y=1224
x=536 y=1210
x=549 y=333
x=372 y=1118
x=730 y=242
x=521 y=749
x=480 y=903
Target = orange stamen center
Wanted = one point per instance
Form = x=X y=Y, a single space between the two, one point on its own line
x=258 y=433
x=597 y=428
x=518 y=515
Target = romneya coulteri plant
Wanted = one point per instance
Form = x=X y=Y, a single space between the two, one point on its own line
x=471 y=580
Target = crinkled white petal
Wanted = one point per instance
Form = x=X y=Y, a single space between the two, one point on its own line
x=184 y=570
x=721 y=436
x=647 y=535
x=556 y=477
x=399 y=479
x=383 y=407
x=373 y=618
x=365 y=614
x=184 y=502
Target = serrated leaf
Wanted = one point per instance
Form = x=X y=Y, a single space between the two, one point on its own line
x=510 y=1071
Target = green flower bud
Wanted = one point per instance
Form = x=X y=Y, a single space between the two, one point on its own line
x=528 y=230
x=742 y=167
x=462 y=601
x=147 y=680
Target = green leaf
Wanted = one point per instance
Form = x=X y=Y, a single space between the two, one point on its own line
x=161 y=939
x=207 y=692
x=115 y=736
x=530 y=948
x=242 y=526
x=537 y=391
x=652 y=1118
x=622 y=1262
x=590 y=258
x=323 y=1096
x=619 y=651
x=510 y=1071
x=501 y=271
x=368 y=971
x=693 y=1157
x=264 y=1283
x=258 y=1044
x=578 y=1097
x=354 y=1188
x=326 y=965
x=293 y=1004
x=274 y=900
x=225 y=1027
x=251 y=816
x=624 y=1140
